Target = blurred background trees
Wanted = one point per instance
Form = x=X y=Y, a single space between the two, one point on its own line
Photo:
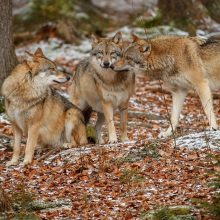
x=74 y=19
x=7 y=54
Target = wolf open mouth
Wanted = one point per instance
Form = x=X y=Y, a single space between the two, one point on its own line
x=60 y=82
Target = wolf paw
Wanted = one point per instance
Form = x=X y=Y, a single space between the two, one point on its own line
x=213 y=128
x=101 y=141
x=124 y=139
x=12 y=163
x=83 y=141
x=164 y=134
x=112 y=141
x=69 y=145
x=26 y=162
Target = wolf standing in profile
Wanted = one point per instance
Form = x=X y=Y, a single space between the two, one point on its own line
x=182 y=63
x=97 y=86
x=37 y=110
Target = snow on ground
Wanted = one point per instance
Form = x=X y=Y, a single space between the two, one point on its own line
x=4 y=118
x=205 y=139
x=56 y=49
x=150 y=32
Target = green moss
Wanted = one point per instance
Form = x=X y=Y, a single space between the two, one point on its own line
x=130 y=176
x=2 y=106
x=168 y=213
x=51 y=9
x=148 y=22
x=150 y=150
x=91 y=134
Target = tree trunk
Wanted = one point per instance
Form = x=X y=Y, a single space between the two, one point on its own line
x=190 y=14
x=8 y=58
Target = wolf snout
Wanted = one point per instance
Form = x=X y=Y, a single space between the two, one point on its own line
x=68 y=78
x=106 y=64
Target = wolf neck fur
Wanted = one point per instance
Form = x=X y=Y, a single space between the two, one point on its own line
x=157 y=68
x=28 y=93
x=108 y=78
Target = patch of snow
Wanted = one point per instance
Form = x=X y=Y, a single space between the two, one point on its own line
x=56 y=49
x=200 y=32
x=4 y=118
x=205 y=139
x=150 y=32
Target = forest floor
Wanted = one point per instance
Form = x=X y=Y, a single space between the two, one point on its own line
x=124 y=180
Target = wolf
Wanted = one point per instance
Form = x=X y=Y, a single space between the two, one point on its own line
x=37 y=110
x=99 y=88
x=182 y=63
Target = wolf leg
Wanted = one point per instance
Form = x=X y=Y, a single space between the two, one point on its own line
x=31 y=144
x=82 y=134
x=17 y=146
x=123 y=123
x=98 y=126
x=108 y=112
x=205 y=96
x=178 y=98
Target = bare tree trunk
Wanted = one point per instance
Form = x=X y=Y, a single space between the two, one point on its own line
x=8 y=58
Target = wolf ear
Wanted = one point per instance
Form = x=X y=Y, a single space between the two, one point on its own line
x=117 y=38
x=94 y=40
x=146 y=48
x=134 y=37
x=38 y=53
x=29 y=57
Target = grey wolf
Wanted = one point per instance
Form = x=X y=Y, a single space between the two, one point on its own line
x=37 y=110
x=96 y=86
x=182 y=63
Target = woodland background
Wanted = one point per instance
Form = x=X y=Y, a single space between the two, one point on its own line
x=147 y=178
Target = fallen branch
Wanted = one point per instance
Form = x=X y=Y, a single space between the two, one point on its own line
x=139 y=124
x=147 y=115
x=53 y=151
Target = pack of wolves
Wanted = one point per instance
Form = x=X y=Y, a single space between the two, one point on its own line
x=103 y=83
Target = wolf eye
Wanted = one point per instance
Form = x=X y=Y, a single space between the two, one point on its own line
x=115 y=54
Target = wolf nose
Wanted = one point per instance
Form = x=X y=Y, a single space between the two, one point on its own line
x=106 y=64
x=67 y=78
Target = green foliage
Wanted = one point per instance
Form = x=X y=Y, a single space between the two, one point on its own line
x=212 y=209
x=51 y=9
x=168 y=213
x=20 y=204
x=149 y=22
x=22 y=199
x=163 y=214
x=91 y=134
x=129 y=176
x=150 y=150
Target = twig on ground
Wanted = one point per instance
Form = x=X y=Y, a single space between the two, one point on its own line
x=148 y=116
x=53 y=151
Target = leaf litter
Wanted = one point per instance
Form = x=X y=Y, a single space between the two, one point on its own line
x=120 y=181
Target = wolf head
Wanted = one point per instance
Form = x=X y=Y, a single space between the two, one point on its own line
x=44 y=70
x=106 y=51
x=134 y=56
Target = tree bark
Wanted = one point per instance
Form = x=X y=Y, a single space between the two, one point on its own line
x=8 y=58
